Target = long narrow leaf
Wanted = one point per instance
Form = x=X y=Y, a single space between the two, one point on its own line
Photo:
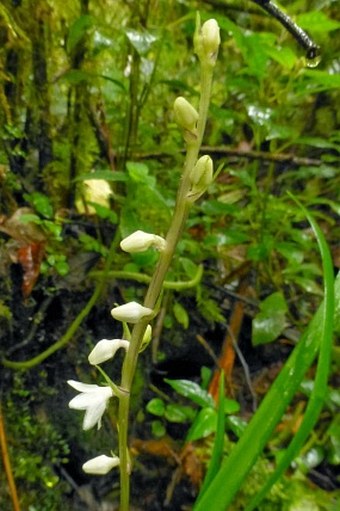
x=242 y=458
x=316 y=400
x=217 y=452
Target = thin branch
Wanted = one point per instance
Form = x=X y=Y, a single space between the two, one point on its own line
x=251 y=155
x=7 y=465
x=312 y=49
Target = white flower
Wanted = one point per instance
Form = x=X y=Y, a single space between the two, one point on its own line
x=106 y=349
x=93 y=399
x=139 y=241
x=131 y=312
x=101 y=465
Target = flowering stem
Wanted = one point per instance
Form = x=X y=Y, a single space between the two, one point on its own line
x=155 y=287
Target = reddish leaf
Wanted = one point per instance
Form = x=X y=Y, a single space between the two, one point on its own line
x=30 y=257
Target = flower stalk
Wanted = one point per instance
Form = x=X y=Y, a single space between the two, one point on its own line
x=181 y=211
x=196 y=177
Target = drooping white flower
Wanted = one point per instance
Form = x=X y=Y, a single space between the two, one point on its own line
x=106 y=349
x=93 y=399
x=131 y=312
x=101 y=465
x=139 y=241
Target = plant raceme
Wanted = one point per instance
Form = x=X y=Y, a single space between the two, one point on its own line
x=196 y=177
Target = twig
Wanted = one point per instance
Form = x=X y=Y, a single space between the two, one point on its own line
x=312 y=49
x=227 y=357
x=245 y=368
x=7 y=464
x=251 y=155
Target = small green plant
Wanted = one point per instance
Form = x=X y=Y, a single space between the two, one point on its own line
x=201 y=415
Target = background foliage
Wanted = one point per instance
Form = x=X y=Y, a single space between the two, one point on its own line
x=86 y=94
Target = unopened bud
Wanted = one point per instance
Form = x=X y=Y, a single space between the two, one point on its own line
x=185 y=114
x=131 y=312
x=146 y=338
x=106 y=349
x=139 y=241
x=101 y=465
x=201 y=176
x=207 y=41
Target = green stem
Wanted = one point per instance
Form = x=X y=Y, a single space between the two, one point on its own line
x=179 y=285
x=66 y=338
x=157 y=281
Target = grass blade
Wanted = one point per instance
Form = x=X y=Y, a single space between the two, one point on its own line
x=316 y=400
x=236 y=467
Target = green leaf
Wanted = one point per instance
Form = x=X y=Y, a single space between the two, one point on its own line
x=41 y=203
x=76 y=76
x=191 y=390
x=62 y=267
x=231 y=237
x=204 y=424
x=216 y=208
x=320 y=80
x=309 y=285
x=274 y=303
x=156 y=406
x=237 y=425
x=231 y=406
x=181 y=315
x=78 y=30
x=158 y=429
x=179 y=413
x=189 y=267
x=217 y=452
x=290 y=252
x=108 y=175
x=317 y=21
x=30 y=217
x=283 y=55
x=139 y=173
x=270 y=322
x=334 y=438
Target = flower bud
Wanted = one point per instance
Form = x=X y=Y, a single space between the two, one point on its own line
x=139 y=241
x=201 y=176
x=185 y=114
x=146 y=338
x=131 y=312
x=101 y=465
x=207 y=40
x=106 y=349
